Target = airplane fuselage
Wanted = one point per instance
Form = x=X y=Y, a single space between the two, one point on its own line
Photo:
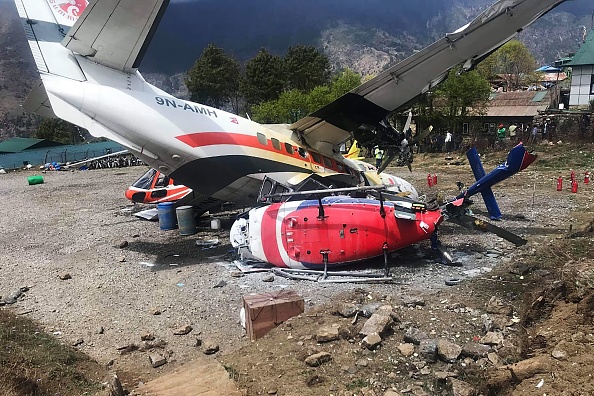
x=214 y=152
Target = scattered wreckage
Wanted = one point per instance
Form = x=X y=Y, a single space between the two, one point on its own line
x=299 y=231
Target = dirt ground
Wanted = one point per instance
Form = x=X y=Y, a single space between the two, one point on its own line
x=76 y=223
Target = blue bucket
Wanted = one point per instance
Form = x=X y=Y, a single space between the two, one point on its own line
x=186 y=220
x=167 y=220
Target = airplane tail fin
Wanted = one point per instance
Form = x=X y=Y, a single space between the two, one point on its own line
x=354 y=151
x=45 y=25
x=517 y=160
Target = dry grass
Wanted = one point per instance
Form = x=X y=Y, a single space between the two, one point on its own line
x=35 y=363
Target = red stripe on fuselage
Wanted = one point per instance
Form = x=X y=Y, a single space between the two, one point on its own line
x=270 y=237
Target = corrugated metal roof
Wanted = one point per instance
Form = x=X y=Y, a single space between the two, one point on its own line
x=518 y=104
x=539 y=96
x=16 y=145
x=585 y=55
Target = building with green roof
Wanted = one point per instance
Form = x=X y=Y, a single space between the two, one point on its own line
x=582 y=77
x=17 y=145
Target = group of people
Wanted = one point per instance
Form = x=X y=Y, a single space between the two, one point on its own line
x=525 y=132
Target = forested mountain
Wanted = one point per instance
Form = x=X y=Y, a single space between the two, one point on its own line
x=365 y=36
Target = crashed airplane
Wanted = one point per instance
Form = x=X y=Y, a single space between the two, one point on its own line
x=88 y=56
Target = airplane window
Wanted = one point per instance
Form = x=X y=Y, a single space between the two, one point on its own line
x=262 y=139
x=289 y=148
x=275 y=143
x=327 y=162
x=316 y=157
x=302 y=152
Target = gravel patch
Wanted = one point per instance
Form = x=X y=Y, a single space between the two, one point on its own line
x=76 y=222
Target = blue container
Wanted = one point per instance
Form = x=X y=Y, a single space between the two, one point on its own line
x=186 y=220
x=167 y=220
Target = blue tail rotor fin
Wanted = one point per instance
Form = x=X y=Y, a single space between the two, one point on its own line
x=487 y=193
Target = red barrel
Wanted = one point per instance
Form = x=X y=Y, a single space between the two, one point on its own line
x=574 y=187
x=587 y=178
x=435 y=179
x=429 y=180
x=559 y=183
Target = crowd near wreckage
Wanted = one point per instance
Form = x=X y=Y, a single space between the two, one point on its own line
x=89 y=77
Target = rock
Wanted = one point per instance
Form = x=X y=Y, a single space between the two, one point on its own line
x=221 y=283
x=371 y=341
x=448 y=351
x=475 y=350
x=492 y=338
x=154 y=311
x=122 y=259
x=406 y=349
x=346 y=310
x=269 y=278
x=123 y=244
x=328 y=333
x=362 y=363
x=209 y=347
x=65 y=276
x=114 y=386
x=411 y=301
x=443 y=375
x=272 y=392
x=414 y=336
x=461 y=388
x=147 y=336
x=391 y=392
x=427 y=350
x=79 y=341
x=100 y=330
x=559 y=352
x=497 y=306
x=377 y=323
x=369 y=309
x=317 y=359
x=520 y=371
x=487 y=322
x=183 y=330
x=236 y=274
x=519 y=269
x=425 y=371
x=495 y=359
x=157 y=360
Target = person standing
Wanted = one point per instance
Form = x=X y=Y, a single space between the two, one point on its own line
x=512 y=132
x=379 y=154
x=448 y=141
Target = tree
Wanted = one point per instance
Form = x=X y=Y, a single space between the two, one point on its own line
x=306 y=68
x=515 y=61
x=214 y=78
x=264 y=78
x=463 y=92
x=59 y=130
x=344 y=82
x=294 y=104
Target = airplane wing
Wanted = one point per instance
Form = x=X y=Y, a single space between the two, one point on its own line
x=116 y=33
x=372 y=101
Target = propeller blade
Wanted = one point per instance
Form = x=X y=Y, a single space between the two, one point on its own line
x=474 y=223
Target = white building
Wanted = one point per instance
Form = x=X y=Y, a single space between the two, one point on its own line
x=582 y=77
